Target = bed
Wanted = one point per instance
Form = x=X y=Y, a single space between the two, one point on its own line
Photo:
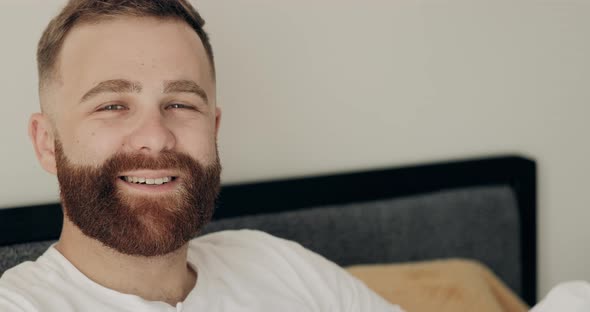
x=481 y=210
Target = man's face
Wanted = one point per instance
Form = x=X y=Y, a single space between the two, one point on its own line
x=135 y=101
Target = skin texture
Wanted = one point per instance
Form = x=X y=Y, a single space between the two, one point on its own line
x=143 y=119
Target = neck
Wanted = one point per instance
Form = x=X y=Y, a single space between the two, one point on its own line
x=166 y=278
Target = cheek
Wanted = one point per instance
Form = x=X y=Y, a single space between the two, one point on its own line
x=198 y=140
x=86 y=141
x=90 y=146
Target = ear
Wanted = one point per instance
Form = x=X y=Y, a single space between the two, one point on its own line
x=43 y=139
x=217 y=120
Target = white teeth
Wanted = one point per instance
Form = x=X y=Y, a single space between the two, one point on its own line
x=139 y=180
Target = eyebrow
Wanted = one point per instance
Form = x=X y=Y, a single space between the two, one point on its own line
x=112 y=86
x=127 y=86
x=185 y=86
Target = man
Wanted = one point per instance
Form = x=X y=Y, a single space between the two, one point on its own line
x=129 y=124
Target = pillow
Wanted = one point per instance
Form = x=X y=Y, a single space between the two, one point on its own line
x=442 y=285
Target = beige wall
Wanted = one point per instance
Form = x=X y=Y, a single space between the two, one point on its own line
x=314 y=86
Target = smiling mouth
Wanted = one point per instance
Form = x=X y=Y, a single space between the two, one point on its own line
x=148 y=181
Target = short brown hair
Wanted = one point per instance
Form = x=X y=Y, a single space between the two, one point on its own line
x=84 y=11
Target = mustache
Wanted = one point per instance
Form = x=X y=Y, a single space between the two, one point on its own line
x=166 y=160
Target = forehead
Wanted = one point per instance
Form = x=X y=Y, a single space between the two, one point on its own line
x=148 y=50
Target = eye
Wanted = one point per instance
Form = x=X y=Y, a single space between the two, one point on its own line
x=112 y=107
x=181 y=106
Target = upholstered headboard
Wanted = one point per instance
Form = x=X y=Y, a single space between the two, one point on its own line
x=482 y=209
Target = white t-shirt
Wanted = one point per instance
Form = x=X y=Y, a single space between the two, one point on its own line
x=238 y=271
x=567 y=297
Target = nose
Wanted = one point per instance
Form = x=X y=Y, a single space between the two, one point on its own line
x=151 y=135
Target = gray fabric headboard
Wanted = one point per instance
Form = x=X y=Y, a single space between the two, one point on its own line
x=478 y=209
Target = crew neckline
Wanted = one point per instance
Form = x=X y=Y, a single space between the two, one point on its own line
x=68 y=271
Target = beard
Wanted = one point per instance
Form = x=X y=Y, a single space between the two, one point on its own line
x=133 y=224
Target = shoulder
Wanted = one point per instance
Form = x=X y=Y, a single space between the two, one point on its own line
x=30 y=285
x=248 y=244
x=231 y=237
x=24 y=275
x=571 y=296
x=251 y=243
x=17 y=284
x=243 y=251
